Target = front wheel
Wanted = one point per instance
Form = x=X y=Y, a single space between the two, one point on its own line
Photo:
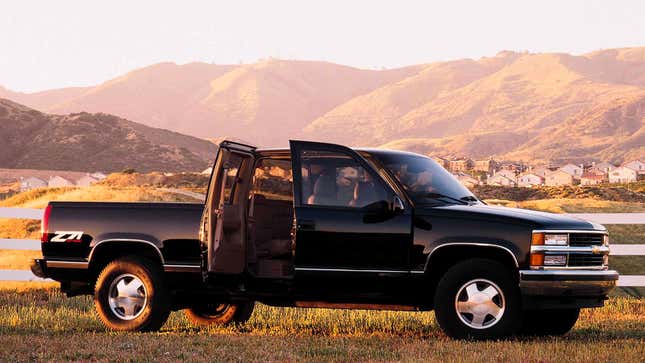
x=219 y=314
x=478 y=299
x=549 y=322
x=130 y=295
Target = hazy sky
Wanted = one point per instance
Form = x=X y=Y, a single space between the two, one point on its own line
x=50 y=44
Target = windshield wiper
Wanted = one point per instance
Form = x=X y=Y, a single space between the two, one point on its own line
x=439 y=196
x=470 y=198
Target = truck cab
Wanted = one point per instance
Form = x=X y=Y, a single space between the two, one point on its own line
x=324 y=225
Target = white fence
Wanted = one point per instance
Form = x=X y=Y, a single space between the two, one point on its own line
x=603 y=218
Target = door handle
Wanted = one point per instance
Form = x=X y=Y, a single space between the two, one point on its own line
x=306 y=225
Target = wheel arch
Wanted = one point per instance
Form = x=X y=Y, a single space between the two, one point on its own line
x=444 y=256
x=108 y=250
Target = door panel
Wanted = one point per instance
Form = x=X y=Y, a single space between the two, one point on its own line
x=344 y=222
x=223 y=222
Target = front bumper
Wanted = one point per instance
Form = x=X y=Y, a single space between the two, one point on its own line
x=567 y=283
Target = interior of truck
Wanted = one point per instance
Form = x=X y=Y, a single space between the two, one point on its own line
x=270 y=249
x=328 y=179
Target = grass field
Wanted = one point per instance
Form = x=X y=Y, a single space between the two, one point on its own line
x=41 y=324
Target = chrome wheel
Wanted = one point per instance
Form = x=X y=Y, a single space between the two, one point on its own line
x=480 y=304
x=127 y=297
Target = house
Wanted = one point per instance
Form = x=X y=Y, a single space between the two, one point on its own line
x=636 y=165
x=59 y=181
x=501 y=180
x=510 y=174
x=530 y=180
x=623 y=174
x=458 y=165
x=98 y=175
x=32 y=183
x=593 y=178
x=540 y=171
x=86 y=181
x=441 y=161
x=574 y=170
x=467 y=180
x=208 y=171
x=605 y=167
x=512 y=166
x=558 y=177
x=485 y=165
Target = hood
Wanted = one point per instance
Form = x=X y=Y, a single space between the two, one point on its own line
x=535 y=219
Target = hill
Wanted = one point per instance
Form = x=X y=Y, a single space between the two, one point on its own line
x=522 y=106
x=516 y=106
x=266 y=102
x=88 y=142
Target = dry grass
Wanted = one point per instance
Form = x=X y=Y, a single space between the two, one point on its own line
x=17 y=259
x=586 y=205
x=39 y=198
x=19 y=228
x=44 y=325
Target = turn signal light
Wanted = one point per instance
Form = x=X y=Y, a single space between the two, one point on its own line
x=537 y=259
x=537 y=239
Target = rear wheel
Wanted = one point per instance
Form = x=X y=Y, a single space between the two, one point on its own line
x=478 y=299
x=549 y=322
x=130 y=295
x=219 y=314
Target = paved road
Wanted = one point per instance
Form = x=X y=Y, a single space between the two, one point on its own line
x=199 y=196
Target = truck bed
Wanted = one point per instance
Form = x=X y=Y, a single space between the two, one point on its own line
x=170 y=227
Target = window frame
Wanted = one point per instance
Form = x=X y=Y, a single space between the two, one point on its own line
x=297 y=147
x=259 y=160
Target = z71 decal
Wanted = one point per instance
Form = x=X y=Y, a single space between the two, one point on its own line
x=67 y=236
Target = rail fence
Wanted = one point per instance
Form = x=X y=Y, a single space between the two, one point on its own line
x=602 y=218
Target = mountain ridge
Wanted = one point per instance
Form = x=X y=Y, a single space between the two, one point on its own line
x=508 y=106
x=91 y=142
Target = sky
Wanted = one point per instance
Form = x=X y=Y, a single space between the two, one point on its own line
x=53 y=44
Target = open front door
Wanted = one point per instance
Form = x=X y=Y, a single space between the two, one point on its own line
x=223 y=227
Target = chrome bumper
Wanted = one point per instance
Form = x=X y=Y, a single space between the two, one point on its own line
x=567 y=282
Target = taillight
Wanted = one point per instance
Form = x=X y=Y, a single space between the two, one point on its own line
x=44 y=225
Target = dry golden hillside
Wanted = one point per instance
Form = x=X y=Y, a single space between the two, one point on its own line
x=90 y=142
x=266 y=102
x=513 y=105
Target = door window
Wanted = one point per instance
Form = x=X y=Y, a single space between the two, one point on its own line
x=337 y=179
x=232 y=169
x=273 y=179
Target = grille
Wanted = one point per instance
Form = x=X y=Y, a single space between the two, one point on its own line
x=585 y=239
x=577 y=259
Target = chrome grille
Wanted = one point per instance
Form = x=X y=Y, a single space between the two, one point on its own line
x=580 y=259
x=585 y=239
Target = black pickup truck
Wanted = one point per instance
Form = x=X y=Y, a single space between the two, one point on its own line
x=323 y=225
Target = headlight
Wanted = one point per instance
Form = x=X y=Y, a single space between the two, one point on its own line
x=555 y=260
x=550 y=239
x=556 y=239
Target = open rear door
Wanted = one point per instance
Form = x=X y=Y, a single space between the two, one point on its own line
x=223 y=225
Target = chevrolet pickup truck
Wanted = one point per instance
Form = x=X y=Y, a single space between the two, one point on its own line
x=326 y=226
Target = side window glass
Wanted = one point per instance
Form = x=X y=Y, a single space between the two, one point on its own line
x=336 y=179
x=272 y=179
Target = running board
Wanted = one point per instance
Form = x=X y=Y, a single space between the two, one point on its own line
x=330 y=305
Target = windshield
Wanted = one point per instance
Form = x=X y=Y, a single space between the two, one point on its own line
x=425 y=181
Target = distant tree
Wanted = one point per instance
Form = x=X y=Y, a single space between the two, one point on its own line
x=129 y=171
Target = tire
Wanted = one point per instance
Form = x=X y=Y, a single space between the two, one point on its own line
x=219 y=314
x=548 y=322
x=489 y=301
x=130 y=295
